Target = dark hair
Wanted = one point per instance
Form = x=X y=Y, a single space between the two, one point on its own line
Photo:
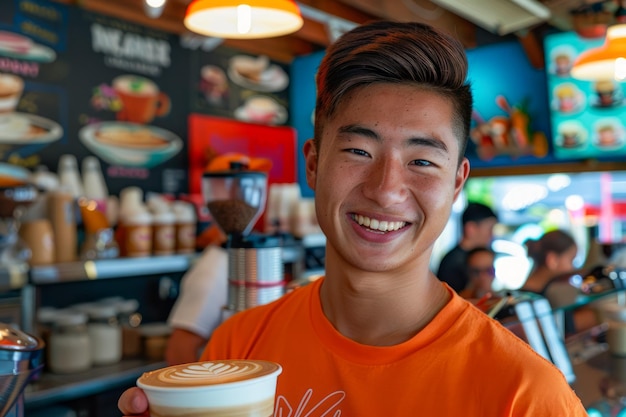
x=395 y=52
x=476 y=212
x=556 y=241
x=479 y=249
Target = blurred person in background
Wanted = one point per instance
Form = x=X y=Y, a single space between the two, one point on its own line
x=477 y=222
x=552 y=258
x=199 y=306
x=479 y=264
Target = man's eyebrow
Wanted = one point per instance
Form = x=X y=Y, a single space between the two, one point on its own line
x=427 y=141
x=361 y=131
x=413 y=141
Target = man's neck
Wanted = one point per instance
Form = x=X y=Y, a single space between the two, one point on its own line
x=381 y=309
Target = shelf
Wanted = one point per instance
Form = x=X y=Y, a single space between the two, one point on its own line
x=110 y=268
x=54 y=388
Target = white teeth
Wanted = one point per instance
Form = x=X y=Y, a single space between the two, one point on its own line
x=380 y=225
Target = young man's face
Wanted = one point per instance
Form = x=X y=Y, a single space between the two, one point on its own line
x=386 y=175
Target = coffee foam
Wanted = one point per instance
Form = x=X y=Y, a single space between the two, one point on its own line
x=214 y=384
x=208 y=373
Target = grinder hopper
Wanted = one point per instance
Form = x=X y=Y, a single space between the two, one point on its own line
x=236 y=200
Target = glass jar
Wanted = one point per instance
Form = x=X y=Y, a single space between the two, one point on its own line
x=69 y=348
x=129 y=320
x=105 y=334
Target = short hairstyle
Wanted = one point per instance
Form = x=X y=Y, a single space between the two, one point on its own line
x=476 y=212
x=400 y=53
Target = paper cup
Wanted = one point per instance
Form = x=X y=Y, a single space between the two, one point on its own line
x=233 y=388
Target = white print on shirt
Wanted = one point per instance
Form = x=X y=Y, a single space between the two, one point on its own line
x=322 y=409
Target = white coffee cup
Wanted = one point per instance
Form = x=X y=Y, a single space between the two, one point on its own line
x=234 y=388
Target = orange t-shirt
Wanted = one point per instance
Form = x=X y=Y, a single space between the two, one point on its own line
x=461 y=364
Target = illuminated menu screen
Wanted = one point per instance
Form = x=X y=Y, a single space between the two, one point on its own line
x=588 y=118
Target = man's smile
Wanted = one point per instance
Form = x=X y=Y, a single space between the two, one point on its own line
x=378 y=225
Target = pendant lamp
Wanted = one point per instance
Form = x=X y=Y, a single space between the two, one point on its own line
x=243 y=19
x=605 y=62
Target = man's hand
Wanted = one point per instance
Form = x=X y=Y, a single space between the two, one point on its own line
x=133 y=402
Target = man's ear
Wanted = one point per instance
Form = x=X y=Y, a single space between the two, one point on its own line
x=462 y=173
x=310 y=161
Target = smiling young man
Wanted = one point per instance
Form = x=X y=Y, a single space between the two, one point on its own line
x=380 y=335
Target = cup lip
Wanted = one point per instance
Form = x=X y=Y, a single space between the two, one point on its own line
x=222 y=385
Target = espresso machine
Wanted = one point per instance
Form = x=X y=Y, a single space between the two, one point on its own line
x=236 y=200
x=21 y=359
x=14 y=199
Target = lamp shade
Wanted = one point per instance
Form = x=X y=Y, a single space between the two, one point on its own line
x=605 y=62
x=243 y=19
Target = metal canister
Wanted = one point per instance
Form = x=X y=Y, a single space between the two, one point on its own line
x=20 y=359
x=255 y=272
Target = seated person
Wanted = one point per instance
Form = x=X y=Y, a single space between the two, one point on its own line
x=479 y=263
x=553 y=256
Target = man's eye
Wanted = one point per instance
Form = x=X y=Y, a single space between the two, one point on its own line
x=421 y=162
x=357 y=151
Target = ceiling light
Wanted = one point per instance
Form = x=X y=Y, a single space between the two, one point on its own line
x=154 y=8
x=243 y=19
x=605 y=62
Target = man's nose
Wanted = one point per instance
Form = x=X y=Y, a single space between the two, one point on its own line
x=386 y=182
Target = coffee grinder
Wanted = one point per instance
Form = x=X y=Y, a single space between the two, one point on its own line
x=236 y=200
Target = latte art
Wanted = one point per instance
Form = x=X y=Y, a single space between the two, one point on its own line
x=208 y=373
x=211 y=372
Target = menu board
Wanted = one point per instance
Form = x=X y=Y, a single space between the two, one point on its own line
x=84 y=84
x=588 y=118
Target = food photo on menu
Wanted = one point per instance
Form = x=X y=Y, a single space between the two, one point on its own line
x=17 y=46
x=19 y=128
x=257 y=74
x=131 y=139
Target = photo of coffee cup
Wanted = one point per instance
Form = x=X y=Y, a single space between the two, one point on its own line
x=11 y=88
x=213 y=84
x=567 y=98
x=262 y=110
x=571 y=134
x=608 y=133
x=607 y=93
x=233 y=388
x=141 y=99
x=561 y=60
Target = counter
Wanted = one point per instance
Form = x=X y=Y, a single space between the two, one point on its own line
x=51 y=388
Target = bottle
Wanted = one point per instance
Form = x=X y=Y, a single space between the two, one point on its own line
x=62 y=215
x=163 y=233
x=137 y=233
x=186 y=226
x=94 y=185
x=69 y=347
x=163 y=225
x=69 y=177
x=105 y=335
x=129 y=320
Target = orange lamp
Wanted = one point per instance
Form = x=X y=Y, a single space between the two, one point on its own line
x=605 y=62
x=243 y=19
